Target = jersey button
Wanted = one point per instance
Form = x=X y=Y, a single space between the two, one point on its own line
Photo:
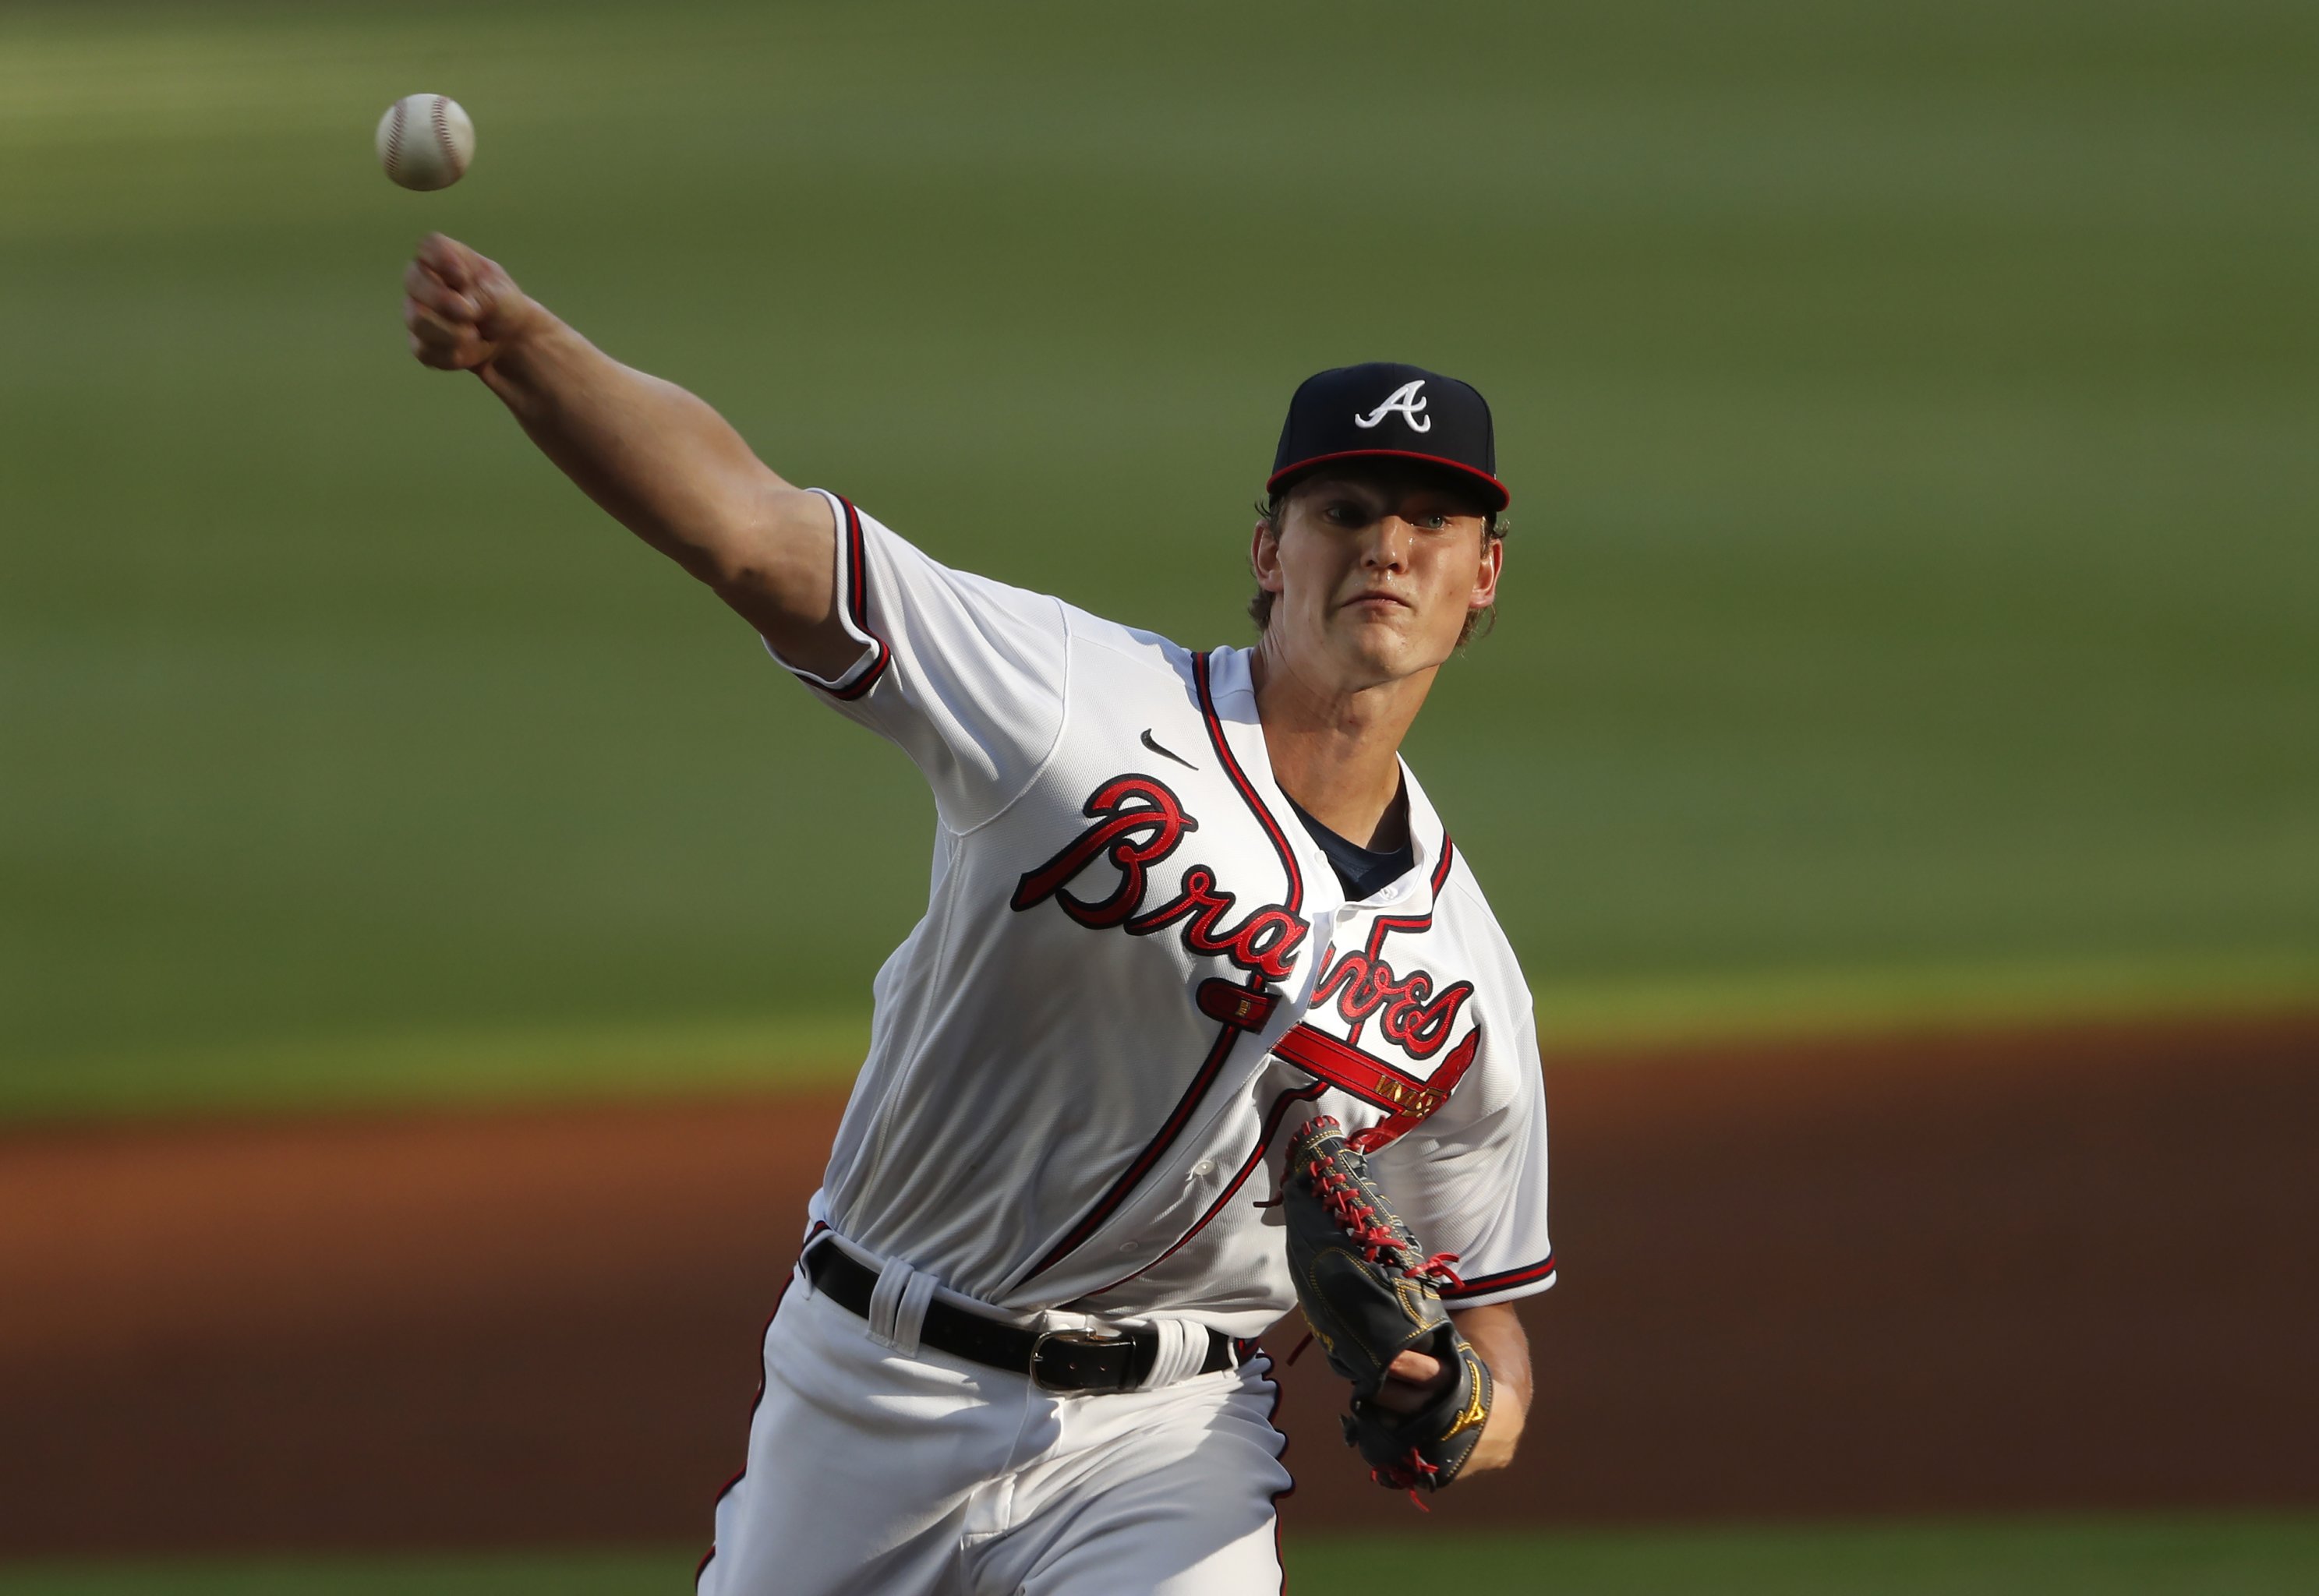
x=1205 y=1167
x=1129 y=1246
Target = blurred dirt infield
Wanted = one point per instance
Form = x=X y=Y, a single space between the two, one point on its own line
x=2045 y=1270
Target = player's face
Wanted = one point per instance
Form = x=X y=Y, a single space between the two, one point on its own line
x=1373 y=577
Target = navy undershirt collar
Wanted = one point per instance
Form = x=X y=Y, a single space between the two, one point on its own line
x=1363 y=871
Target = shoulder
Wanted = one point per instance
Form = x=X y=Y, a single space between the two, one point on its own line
x=861 y=533
x=1130 y=649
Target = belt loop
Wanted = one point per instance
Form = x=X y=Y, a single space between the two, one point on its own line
x=910 y=1312
x=886 y=1301
x=1183 y=1348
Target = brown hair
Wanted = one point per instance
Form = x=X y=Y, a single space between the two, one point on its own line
x=1274 y=505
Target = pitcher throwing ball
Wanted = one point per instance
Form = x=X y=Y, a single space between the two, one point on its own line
x=1188 y=910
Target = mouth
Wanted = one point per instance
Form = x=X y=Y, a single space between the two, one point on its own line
x=1376 y=601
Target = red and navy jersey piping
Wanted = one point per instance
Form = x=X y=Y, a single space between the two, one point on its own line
x=850 y=550
x=1246 y=788
x=1505 y=1279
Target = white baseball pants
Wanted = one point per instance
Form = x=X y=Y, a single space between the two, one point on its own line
x=928 y=1475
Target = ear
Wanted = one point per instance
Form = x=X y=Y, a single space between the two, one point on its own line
x=1486 y=577
x=1264 y=557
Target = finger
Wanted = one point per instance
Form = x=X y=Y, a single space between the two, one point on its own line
x=1395 y=1397
x=438 y=343
x=439 y=357
x=449 y=258
x=428 y=324
x=430 y=290
x=427 y=354
x=1418 y=1368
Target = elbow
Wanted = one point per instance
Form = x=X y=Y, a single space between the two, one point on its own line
x=728 y=572
x=779 y=571
x=756 y=591
x=778 y=554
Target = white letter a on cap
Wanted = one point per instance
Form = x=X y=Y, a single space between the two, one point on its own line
x=1406 y=400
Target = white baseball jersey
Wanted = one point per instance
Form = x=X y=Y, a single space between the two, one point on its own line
x=1136 y=970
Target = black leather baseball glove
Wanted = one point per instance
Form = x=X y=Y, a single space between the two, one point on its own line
x=1370 y=1294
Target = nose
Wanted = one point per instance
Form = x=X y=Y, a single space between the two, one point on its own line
x=1387 y=547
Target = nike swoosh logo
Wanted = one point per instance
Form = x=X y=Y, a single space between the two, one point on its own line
x=1163 y=754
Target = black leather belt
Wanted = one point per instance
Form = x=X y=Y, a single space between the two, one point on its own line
x=1076 y=1361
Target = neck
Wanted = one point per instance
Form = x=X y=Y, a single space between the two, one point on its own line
x=1336 y=751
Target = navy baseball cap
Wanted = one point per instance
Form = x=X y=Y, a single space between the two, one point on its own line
x=1385 y=411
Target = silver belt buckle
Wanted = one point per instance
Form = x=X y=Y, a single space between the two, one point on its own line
x=1051 y=1351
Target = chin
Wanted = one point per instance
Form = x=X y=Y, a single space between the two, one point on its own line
x=1376 y=661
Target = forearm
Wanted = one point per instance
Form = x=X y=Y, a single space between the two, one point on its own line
x=1499 y=1340
x=662 y=462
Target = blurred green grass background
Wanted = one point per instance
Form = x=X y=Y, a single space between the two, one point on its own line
x=2245 y=1555
x=1910 y=410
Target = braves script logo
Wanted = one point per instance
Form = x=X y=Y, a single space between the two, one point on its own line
x=1405 y=399
x=1415 y=1018
x=1138 y=823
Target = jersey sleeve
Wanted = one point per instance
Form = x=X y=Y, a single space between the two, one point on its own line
x=1472 y=1179
x=966 y=675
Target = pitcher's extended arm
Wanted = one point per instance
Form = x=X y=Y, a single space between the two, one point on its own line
x=661 y=461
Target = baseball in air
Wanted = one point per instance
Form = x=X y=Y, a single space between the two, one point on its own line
x=425 y=141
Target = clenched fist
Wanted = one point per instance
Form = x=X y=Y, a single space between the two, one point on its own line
x=461 y=308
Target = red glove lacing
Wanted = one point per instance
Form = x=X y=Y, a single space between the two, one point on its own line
x=1408 y=1474
x=1340 y=1194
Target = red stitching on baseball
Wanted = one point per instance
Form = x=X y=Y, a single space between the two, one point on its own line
x=443 y=137
x=395 y=138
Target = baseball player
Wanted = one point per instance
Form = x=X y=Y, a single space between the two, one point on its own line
x=1185 y=909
